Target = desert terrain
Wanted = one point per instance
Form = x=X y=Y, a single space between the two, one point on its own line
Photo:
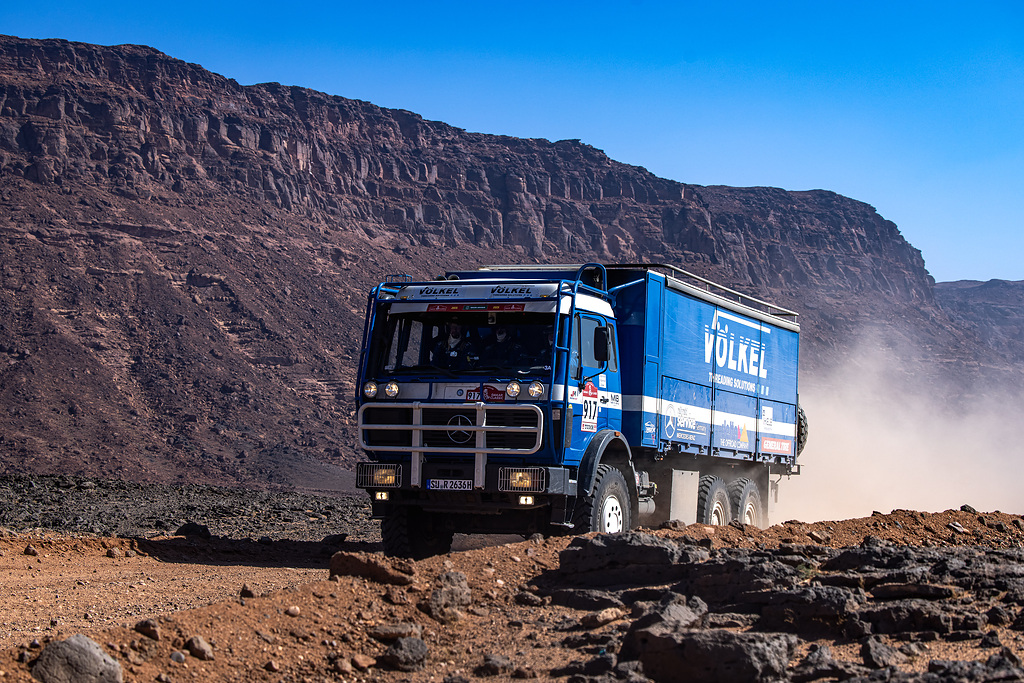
x=252 y=577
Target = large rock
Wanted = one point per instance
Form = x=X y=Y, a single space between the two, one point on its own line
x=76 y=660
x=632 y=558
x=716 y=655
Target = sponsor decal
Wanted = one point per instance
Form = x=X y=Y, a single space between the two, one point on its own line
x=649 y=428
x=682 y=426
x=472 y=308
x=780 y=446
x=437 y=291
x=740 y=438
x=591 y=406
x=502 y=290
x=740 y=350
x=490 y=394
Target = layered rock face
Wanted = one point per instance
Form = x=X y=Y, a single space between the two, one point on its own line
x=185 y=259
x=994 y=310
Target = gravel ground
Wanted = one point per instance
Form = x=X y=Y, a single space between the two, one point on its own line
x=77 y=505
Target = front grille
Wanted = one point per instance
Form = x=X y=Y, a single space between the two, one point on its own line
x=386 y=438
x=458 y=427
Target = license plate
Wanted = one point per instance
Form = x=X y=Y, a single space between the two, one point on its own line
x=450 y=484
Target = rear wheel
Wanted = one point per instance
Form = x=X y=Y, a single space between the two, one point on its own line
x=713 y=506
x=747 y=506
x=801 y=429
x=607 y=510
x=413 y=533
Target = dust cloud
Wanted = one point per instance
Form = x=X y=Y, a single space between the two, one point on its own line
x=884 y=438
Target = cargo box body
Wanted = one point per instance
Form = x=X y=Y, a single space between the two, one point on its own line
x=704 y=375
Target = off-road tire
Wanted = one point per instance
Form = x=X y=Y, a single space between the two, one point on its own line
x=801 y=429
x=747 y=503
x=413 y=533
x=608 y=509
x=713 y=506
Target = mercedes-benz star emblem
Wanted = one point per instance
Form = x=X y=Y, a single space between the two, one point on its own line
x=460 y=435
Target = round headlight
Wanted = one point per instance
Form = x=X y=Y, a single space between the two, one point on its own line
x=391 y=389
x=370 y=389
x=513 y=389
x=535 y=390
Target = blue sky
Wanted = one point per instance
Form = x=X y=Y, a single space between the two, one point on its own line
x=916 y=108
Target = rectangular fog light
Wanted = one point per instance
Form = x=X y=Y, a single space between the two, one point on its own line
x=380 y=495
x=526 y=500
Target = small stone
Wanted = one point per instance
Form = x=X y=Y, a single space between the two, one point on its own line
x=606 y=616
x=199 y=648
x=968 y=508
x=878 y=655
x=406 y=654
x=194 y=529
x=148 y=628
x=31 y=551
x=394 y=595
x=396 y=631
x=820 y=537
x=246 y=592
x=528 y=599
x=990 y=639
x=293 y=611
x=452 y=595
x=342 y=665
x=494 y=665
x=999 y=616
x=115 y=553
x=363 y=662
x=178 y=657
x=272 y=666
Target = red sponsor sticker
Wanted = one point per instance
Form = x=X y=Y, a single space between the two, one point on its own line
x=780 y=446
x=490 y=394
x=590 y=408
x=457 y=308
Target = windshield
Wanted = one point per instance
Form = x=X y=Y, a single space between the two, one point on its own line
x=518 y=343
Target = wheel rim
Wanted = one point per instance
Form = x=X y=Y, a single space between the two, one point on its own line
x=611 y=515
x=750 y=514
x=719 y=516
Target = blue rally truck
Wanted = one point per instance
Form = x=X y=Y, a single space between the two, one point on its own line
x=523 y=399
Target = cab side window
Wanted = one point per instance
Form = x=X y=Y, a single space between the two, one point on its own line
x=582 y=353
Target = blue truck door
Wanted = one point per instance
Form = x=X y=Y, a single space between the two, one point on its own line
x=594 y=387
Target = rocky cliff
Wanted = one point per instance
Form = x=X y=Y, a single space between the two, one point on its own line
x=185 y=259
x=993 y=310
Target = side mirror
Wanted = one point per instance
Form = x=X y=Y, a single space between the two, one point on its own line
x=601 y=344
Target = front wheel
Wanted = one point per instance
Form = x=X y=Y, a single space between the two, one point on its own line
x=607 y=510
x=413 y=533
